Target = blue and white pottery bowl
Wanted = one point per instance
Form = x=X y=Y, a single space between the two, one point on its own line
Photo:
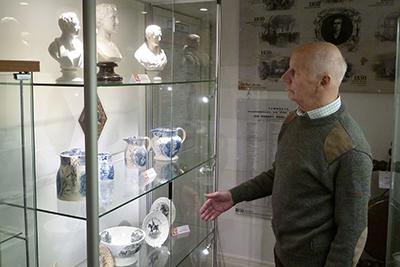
x=124 y=243
x=71 y=176
x=166 y=143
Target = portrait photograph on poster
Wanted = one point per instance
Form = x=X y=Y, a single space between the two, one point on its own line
x=364 y=31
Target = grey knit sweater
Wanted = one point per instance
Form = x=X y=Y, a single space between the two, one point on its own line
x=320 y=186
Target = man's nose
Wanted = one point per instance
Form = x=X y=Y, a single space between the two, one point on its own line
x=285 y=77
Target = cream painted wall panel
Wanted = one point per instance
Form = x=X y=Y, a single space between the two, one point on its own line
x=251 y=239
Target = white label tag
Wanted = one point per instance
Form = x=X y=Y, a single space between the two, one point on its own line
x=385 y=179
x=139 y=78
x=149 y=176
x=180 y=230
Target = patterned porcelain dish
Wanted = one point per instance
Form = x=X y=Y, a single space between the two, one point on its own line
x=71 y=176
x=158 y=257
x=166 y=206
x=156 y=227
x=124 y=242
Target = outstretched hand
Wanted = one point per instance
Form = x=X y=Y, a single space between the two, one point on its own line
x=216 y=203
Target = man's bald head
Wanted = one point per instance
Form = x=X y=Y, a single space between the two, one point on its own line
x=322 y=58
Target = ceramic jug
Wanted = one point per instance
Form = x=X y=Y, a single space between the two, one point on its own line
x=167 y=170
x=71 y=176
x=136 y=151
x=166 y=143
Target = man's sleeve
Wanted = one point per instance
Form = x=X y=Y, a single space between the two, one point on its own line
x=257 y=187
x=352 y=191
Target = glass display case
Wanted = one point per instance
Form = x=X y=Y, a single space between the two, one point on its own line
x=17 y=222
x=123 y=126
x=393 y=241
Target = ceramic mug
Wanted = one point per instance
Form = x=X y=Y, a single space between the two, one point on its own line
x=166 y=143
x=71 y=176
x=136 y=151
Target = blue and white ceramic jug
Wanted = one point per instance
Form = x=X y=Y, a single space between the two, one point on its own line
x=136 y=151
x=71 y=176
x=166 y=143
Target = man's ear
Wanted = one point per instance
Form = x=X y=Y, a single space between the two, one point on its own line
x=325 y=81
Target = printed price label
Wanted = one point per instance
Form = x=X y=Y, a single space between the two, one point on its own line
x=180 y=230
x=140 y=78
x=149 y=176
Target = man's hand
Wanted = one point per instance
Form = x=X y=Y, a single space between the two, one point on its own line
x=216 y=203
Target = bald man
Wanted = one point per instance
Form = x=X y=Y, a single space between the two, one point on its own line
x=320 y=180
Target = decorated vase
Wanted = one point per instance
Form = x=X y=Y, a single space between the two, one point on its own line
x=166 y=142
x=136 y=151
x=71 y=176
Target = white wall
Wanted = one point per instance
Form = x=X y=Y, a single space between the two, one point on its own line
x=27 y=31
x=248 y=240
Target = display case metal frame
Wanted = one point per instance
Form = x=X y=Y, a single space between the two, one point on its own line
x=22 y=72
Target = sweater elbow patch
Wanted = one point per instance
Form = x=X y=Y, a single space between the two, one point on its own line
x=360 y=246
x=337 y=143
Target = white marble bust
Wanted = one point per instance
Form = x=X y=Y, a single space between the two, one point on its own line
x=68 y=49
x=150 y=54
x=106 y=23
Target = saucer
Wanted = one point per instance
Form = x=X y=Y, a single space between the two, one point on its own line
x=156 y=227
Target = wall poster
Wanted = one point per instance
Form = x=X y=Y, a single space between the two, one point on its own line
x=365 y=31
x=258 y=126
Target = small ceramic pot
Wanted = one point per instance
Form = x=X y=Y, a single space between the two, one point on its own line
x=124 y=243
x=136 y=151
x=71 y=176
x=166 y=143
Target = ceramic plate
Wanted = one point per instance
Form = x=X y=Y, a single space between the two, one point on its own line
x=106 y=258
x=158 y=257
x=166 y=206
x=156 y=227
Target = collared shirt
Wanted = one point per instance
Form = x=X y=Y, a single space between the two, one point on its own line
x=322 y=111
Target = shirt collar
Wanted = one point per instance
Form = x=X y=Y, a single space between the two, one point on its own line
x=322 y=111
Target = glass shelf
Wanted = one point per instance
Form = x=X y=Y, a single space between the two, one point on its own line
x=7 y=233
x=185 y=246
x=174 y=251
x=118 y=84
x=127 y=186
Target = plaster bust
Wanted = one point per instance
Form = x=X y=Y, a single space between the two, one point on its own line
x=106 y=23
x=150 y=54
x=191 y=61
x=67 y=49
